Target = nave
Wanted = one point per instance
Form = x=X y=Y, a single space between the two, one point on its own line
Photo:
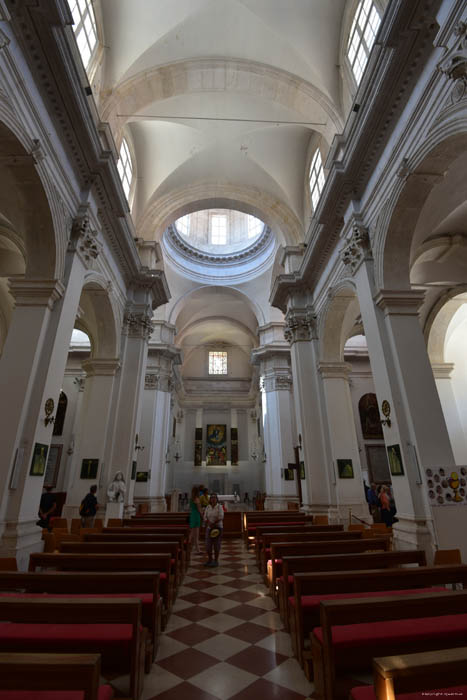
x=225 y=639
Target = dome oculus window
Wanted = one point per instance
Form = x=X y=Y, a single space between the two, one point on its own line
x=217 y=362
x=183 y=225
x=255 y=226
x=125 y=168
x=362 y=36
x=85 y=28
x=316 y=178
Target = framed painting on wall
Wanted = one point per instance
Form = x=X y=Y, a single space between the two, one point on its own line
x=89 y=468
x=345 y=469
x=378 y=465
x=395 y=460
x=39 y=460
x=53 y=465
x=141 y=477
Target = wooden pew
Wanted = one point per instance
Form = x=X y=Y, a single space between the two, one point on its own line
x=306 y=527
x=143 y=537
x=381 y=626
x=53 y=672
x=294 y=564
x=49 y=622
x=311 y=588
x=111 y=562
x=141 y=585
x=251 y=520
x=183 y=532
x=444 y=670
x=295 y=537
x=130 y=548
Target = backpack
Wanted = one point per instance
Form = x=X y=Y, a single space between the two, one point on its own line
x=82 y=508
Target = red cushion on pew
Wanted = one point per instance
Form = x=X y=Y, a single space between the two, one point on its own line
x=145 y=598
x=278 y=561
x=366 y=692
x=311 y=602
x=365 y=636
x=105 y=693
x=112 y=641
x=290 y=578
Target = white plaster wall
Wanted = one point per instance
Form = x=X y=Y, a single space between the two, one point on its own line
x=455 y=352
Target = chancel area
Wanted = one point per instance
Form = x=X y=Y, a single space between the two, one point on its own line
x=233 y=261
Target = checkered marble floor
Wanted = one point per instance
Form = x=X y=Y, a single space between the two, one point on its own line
x=224 y=639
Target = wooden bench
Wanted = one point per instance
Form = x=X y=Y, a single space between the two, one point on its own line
x=312 y=588
x=294 y=564
x=130 y=536
x=353 y=631
x=265 y=567
x=111 y=562
x=141 y=585
x=109 y=627
x=307 y=527
x=171 y=548
x=265 y=518
x=52 y=676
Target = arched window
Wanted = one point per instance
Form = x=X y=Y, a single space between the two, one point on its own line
x=125 y=168
x=316 y=178
x=362 y=36
x=85 y=28
x=60 y=415
x=369 y=417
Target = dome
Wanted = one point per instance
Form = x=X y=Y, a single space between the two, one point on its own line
x=220 y=231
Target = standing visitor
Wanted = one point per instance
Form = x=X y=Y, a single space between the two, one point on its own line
x=384 y=499
x=214 y=519
x=88 y=508
x=47 y=507
x=195 y=519
x=373 y=503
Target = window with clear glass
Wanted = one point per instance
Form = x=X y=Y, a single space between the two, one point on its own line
x=217 y=362
x=125 y=168
x=362 y=36
x=85 y=28
x=255 y=226
x=218 y=229
x=183 y=224
x=316 y=178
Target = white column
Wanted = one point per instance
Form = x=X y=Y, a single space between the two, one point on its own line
x=277 y=412
x=300 y=332
x=93 y=425
x=344 y=445
x=442 y=372
x=31 y=373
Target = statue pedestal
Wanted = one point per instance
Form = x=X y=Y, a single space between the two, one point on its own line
x=113 y=510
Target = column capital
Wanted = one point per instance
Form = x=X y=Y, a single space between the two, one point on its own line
x=271 y=352
x=157 y=380
x=357 y=248
x=83 y=240
x=454 y=63
x=35 y=292
x=300 y=325
x=154 y=284
x=442 y=370
x=137 y=322
x=276 y=380
x=101 y=368
x=335 y=370
x=400 y=302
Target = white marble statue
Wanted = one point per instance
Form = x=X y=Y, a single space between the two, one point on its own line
x=116 y=489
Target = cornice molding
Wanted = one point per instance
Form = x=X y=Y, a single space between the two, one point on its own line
x=35 y=292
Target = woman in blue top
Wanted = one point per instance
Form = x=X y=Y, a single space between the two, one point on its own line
x=195 y=518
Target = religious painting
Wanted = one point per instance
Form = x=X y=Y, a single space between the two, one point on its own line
x=447 y=487
x=395 y=460
x=53 y=465
x=133 y=470
x=141 y=477
x=302 y=470
x=89 y=468
x=234 y=445
x=198 y=446
x=289 y=474
x=370 y=419
x=216 y=445
x=39 y=460
x=345 y=469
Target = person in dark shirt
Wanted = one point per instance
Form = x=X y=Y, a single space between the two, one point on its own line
x=88 y=508
x=47 y=507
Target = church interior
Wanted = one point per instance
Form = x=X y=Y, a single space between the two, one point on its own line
x=233 y=255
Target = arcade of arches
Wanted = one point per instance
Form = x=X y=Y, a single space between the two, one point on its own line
x=224 y=228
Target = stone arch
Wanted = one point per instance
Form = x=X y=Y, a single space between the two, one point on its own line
x=438 y=320
x=337 y=322
x=99 y=317
x=220 y=74
x=250 y=303
x=425 y=170
x=162 y=211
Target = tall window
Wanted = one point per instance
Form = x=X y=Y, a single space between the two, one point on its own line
x=183 y=224
x=362 y=36
x=125 y=168
x=85 y=28
x=217 y=362
x=316 y=178
x=255 y=226
x=218 y=229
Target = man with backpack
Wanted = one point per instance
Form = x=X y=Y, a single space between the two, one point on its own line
x=88 y=508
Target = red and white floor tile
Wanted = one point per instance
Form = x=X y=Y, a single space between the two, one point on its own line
x=224 y=639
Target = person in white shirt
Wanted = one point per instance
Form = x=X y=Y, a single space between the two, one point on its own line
x=214 y=519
